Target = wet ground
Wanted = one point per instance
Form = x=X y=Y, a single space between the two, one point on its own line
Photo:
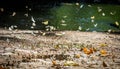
x=36 y=49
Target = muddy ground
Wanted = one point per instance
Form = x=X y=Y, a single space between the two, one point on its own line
x=33 y=49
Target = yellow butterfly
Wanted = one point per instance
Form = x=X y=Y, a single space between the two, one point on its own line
x=45 y=22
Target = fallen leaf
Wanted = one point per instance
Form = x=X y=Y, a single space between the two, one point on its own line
x=103 y=52
x=91 y=50
x=86 y=51
x=57 y=47
x=54 y=62
x=103 y=44
x=1 y=67
x=94 y=49
x=105 y=64
x=77 y=56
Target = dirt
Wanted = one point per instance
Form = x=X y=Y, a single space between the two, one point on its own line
x=36 y=49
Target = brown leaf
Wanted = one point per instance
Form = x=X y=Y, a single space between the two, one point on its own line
x=1 y=67
x=54 y=62
x=105 y=64
x=77 y=56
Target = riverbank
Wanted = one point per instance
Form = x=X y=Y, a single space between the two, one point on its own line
x=20 y=49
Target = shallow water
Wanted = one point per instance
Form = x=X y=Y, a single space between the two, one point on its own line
x=67 y=16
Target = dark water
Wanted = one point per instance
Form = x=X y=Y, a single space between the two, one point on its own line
x=66 y=16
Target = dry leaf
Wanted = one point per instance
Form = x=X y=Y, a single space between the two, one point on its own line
x=54 y=62
x=91 y=50
x=103 y=44
x=86 y=51
x=57 y=47
x=94 y=49
x=1 y=67
x=104 y=64
x=103 y=52
x=77 y=55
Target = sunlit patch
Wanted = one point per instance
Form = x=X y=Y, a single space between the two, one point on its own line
x=14 y=13
x=103 y=14
x=2 y=9
x=77 y=4
x=116 y=23
x=45 y=22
